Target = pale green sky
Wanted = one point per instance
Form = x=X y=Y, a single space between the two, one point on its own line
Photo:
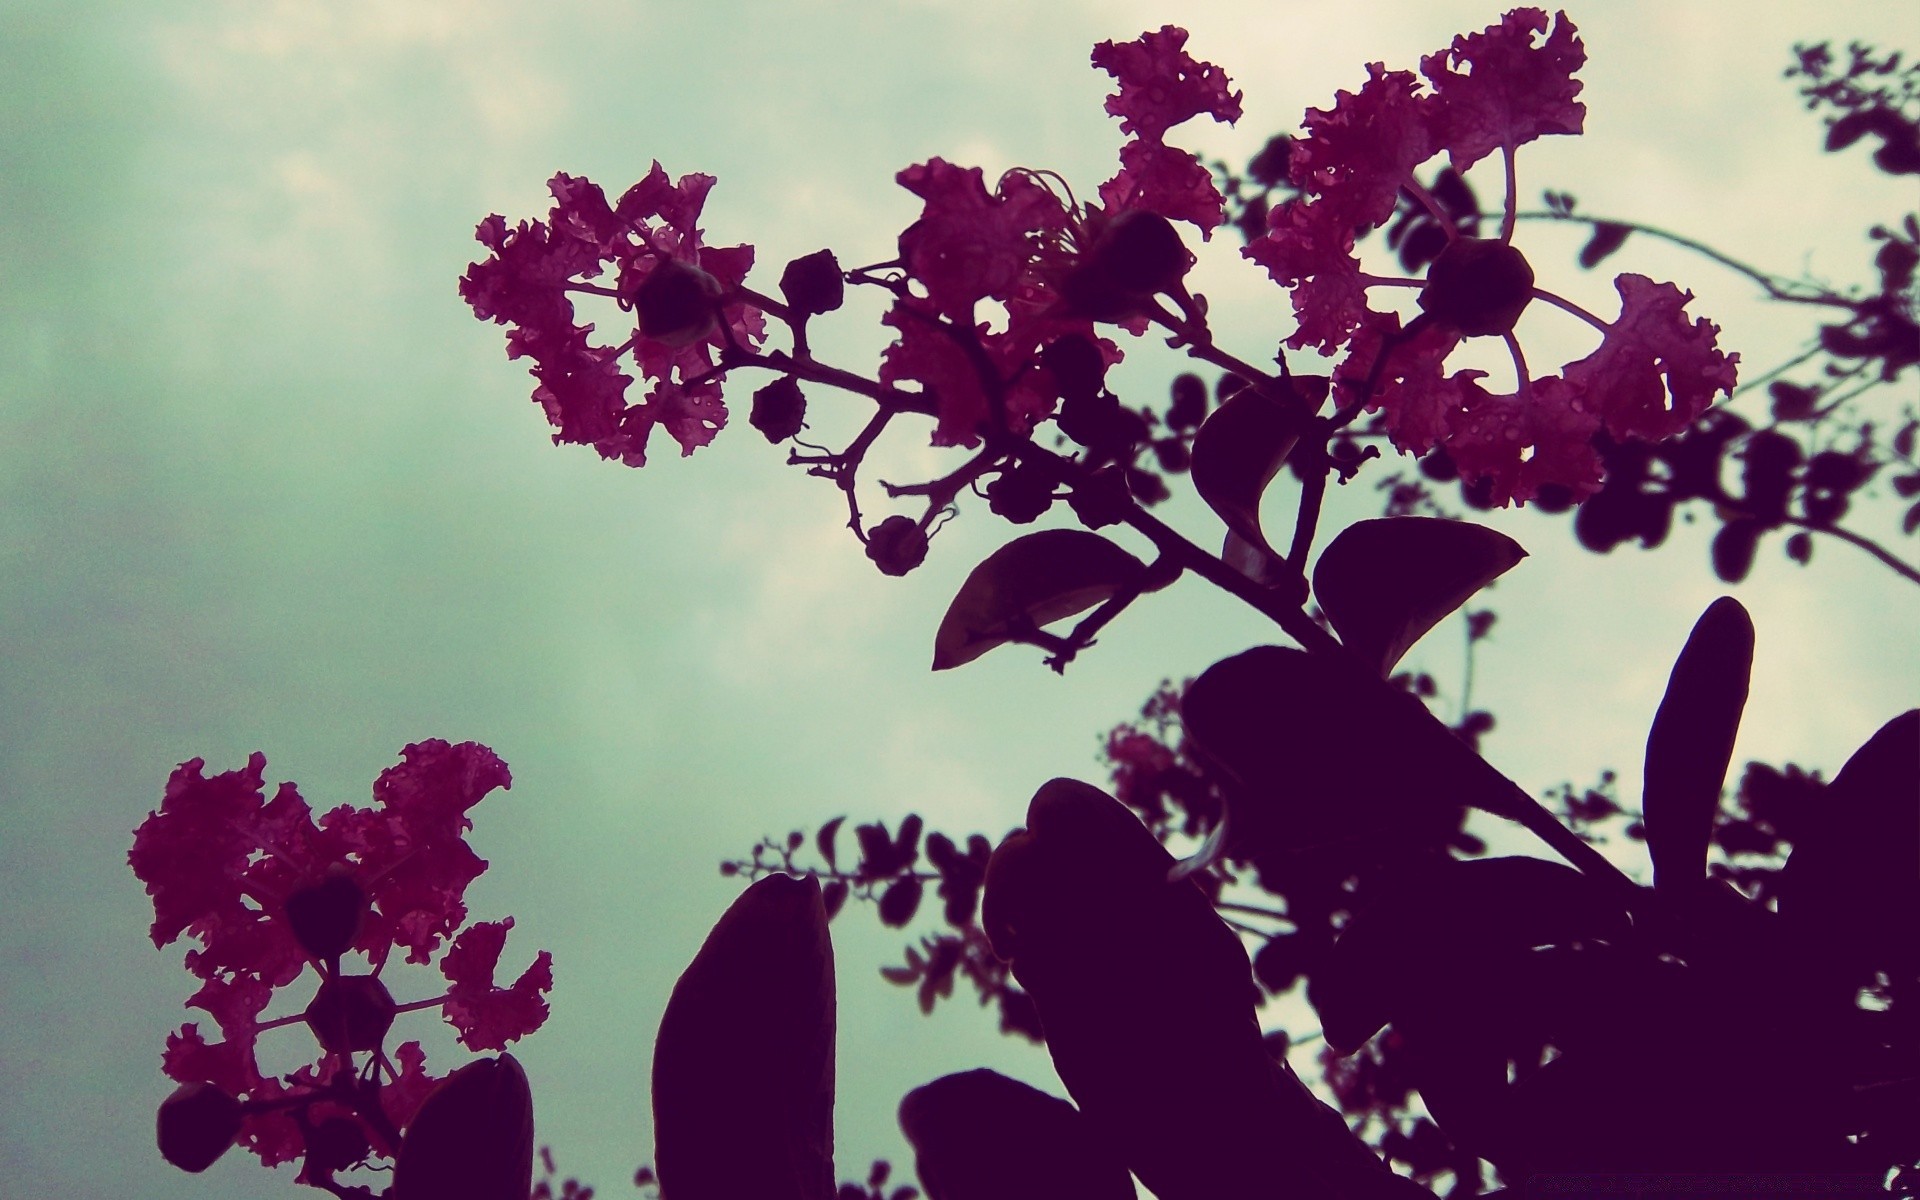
x=265 y=483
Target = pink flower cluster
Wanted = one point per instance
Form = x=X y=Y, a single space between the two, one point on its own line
x=1054 y=269
x=684 y=295
x=267 y=892
x=1654 y=371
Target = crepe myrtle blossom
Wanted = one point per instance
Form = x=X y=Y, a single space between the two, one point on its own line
x=267 y=893
x=684 y=297
x=1055 y=267
x=1654 y=371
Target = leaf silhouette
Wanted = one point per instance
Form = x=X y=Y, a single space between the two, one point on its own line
x=979 y=1135
x=473 y=1137
x=1853 y=879
x=1608 y=236
x=743 y=1066
x=1147 y=1000
x=1384 y=583
x=1027 y=583
x=1691 y=742
x=1432 y=926
x=1236 y=454
x=1306 y=735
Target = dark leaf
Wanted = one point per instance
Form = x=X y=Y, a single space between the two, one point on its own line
x=1236 y=455
x=743 y=1066
x=1607 y=237
x=1385 y=582
x=1422 y=929
x=1768 y=463
x=982 y=1136
x=900 y=901
x=876 y=851
x=1302 y=734
x=1832 y=471
x=1110 y=948
x=1853 y=878
x=1733 y=548
x=473 y=1137
x=1029 y=582
x=833 y=897
x=824 y=840
x=906 y=847
x=1800 y=548
x=1848 y=130
x=1691 y=743
x=1791 y=401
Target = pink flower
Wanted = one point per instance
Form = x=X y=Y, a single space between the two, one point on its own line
x=685 y=297
x=1161 y=85
x=488 y=1017
x=1655 y=370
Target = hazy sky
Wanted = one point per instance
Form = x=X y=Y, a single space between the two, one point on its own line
x=266 y=484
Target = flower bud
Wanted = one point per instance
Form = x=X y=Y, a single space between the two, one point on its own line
x=1021 y=494
x=335 y=1144
x=326 y=916
x=1101 y=425
x=677 y=304
x=1479 y=286
x=196 y=1125
x=1077 y=365
x=1137 y=255
x=812 y=284
x=779 y=410
x=897 y=545
x=351 y=1012
x=1102 y=499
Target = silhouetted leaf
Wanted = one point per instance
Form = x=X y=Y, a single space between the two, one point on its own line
x=1425 y=929
x=1029 y=582
x=1733 y=548
x=473 y=1137
x=743 y=1066
x=1303 y=734
x=1385 y=582
x=1848 y=130
x=824 y=840
x=900 y=901
x=979 y=1135
x=906 y=846
x=1607 y=237
x=1791 y=401
x=1691 y=743
x=1853 y=878
x=1147 y=1000
x=833 y=897
x=1236 y=455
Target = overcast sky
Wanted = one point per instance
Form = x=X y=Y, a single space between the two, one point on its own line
x=266 y=485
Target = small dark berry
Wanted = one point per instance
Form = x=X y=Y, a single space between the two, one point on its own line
x=779 y=410
x=897 y=545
